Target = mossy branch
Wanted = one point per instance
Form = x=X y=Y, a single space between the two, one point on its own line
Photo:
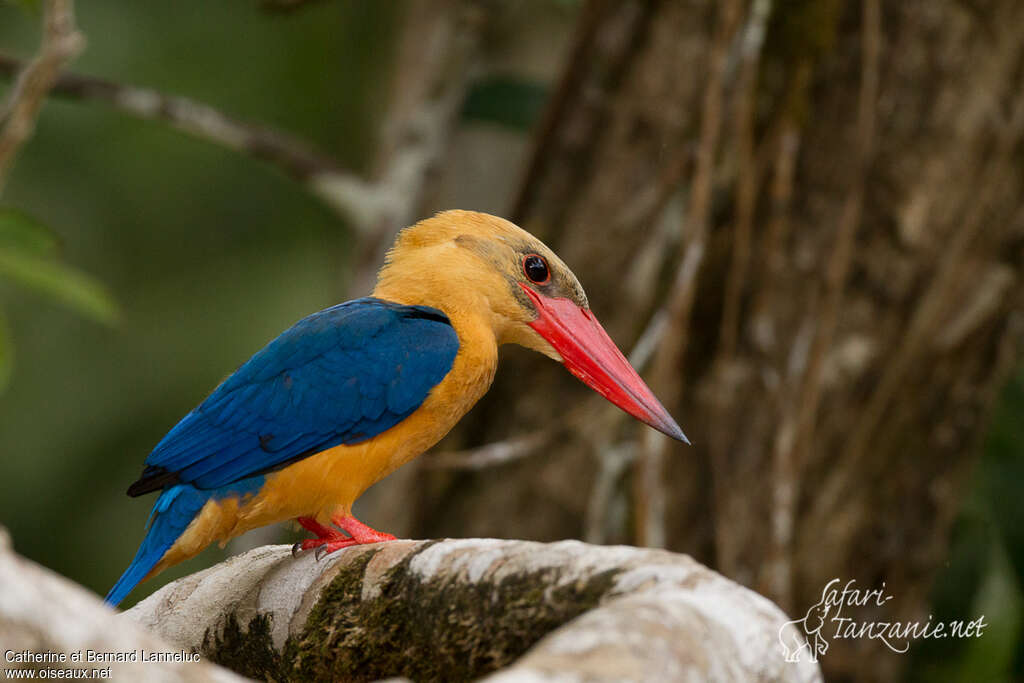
x=461 y=609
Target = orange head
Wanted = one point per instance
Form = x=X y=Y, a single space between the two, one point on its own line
x=471 y=264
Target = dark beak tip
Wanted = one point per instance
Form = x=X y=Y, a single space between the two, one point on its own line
x=673 y=430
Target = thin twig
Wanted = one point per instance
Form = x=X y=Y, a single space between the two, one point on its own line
x=786 y=148
x=748 y=176
x=437 y=49
x=60 y=44
x=492 y=454
x=725 y=374
x=564 y=96
x=323 y=176
x=413 y=138
x=838 y=265
x=649 y=500
x=796 y=433
x=608 y=40
x=614 y=461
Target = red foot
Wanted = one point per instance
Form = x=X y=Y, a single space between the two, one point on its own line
x=328 y=540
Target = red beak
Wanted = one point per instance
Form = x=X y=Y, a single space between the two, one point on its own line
x=590 y=354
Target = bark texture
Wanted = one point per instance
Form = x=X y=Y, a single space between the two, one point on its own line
x=42 y=612
x=461 y=609
x=813 y=210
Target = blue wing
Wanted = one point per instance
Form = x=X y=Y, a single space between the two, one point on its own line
x=339 y=376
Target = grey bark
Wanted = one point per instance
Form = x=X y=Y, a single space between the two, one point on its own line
x=459 y=609
x=42 y=612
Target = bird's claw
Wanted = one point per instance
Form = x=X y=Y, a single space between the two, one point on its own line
x=324 y=546
x=329 y=540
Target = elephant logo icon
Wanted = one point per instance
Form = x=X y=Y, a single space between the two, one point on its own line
x=793 y=643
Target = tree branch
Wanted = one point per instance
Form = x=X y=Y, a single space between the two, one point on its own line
x=749 y=176
x=496 y=453
x=43 y=612
x=60 y=44
x=565 y=608
x=442 y=36
x=437 y=47
x=323 y=176
x=650 y=494
x=795 y=437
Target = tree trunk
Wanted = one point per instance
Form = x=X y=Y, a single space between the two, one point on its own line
x=823 y=232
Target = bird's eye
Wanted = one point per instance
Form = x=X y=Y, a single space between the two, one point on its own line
x=536 y=269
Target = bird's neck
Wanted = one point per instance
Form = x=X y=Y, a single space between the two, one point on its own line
x=435 y=278
x=477 y=359
x=466 y=308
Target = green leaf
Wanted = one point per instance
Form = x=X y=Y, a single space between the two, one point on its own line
x=73 y=288
x=22 y=232
x=6 y=352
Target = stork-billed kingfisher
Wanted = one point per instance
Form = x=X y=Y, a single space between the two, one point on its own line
x=347 y=395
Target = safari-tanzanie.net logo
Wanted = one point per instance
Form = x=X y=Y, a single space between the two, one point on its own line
x=835 y=617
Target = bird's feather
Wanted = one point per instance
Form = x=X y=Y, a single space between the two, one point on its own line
x=339 y=376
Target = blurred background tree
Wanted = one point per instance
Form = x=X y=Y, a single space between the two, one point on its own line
x=805 y=218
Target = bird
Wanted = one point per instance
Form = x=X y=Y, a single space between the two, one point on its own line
x=351 y=393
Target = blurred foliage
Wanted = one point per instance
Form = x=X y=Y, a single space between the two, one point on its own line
x=21 y=232
x=985 y=571
x=6 y=352
x=27 y=257
x=26 y=5
x=505 y=100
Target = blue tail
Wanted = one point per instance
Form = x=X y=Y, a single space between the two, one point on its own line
x=171 y=515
